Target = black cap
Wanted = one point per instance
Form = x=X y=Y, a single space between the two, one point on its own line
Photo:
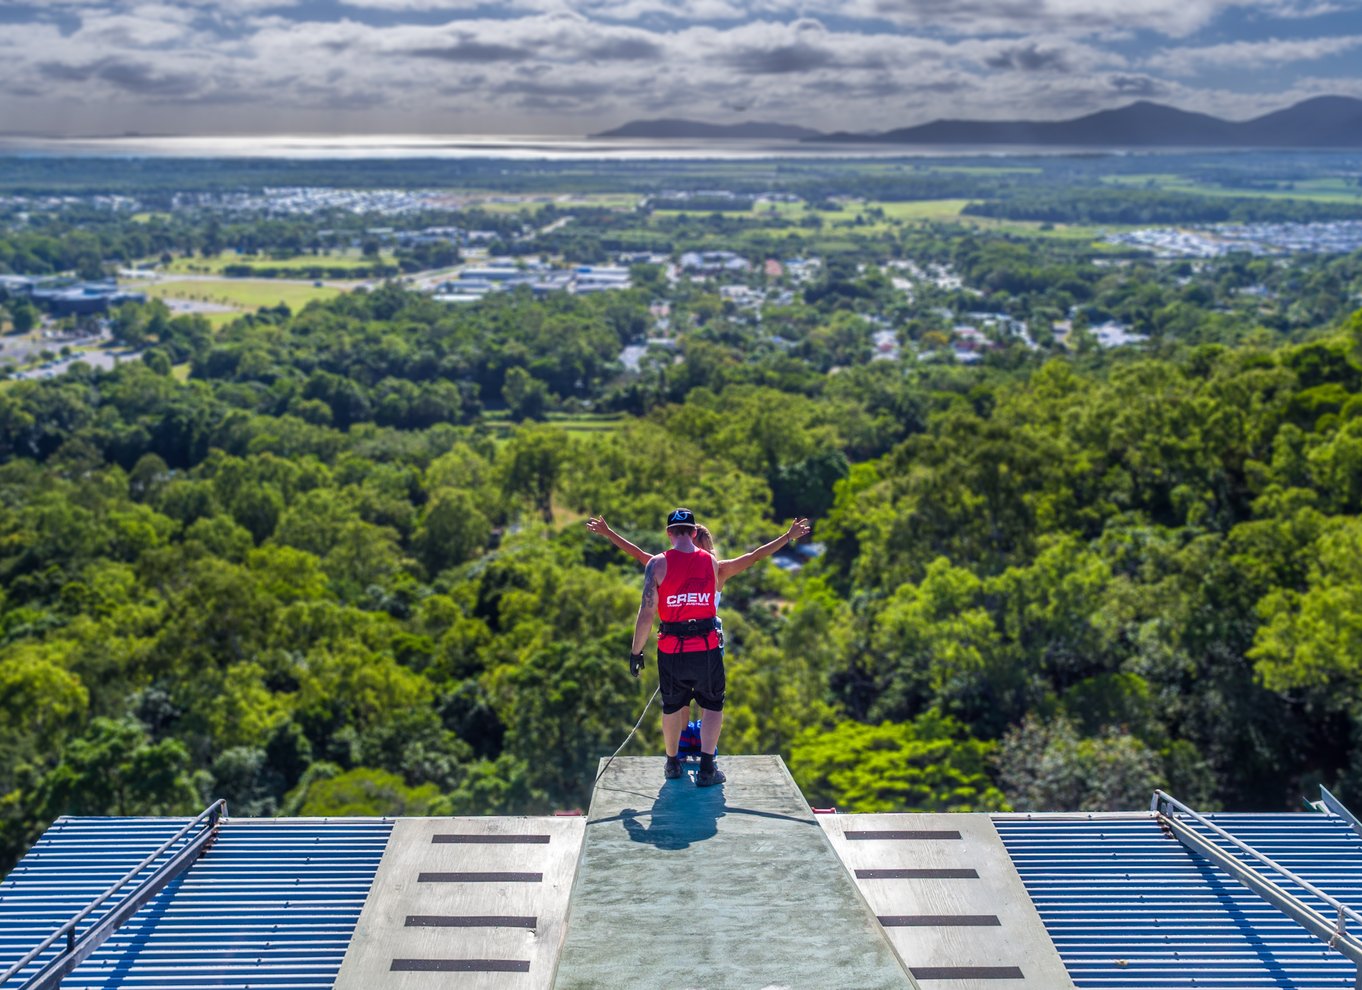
x=681 y=517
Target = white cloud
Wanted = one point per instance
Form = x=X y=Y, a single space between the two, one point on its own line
x=1248 y=55
x=1073 y=18
x=576 y=65
x=460 y=8
x=683 y=11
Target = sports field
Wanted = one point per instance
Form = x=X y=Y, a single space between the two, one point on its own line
x=215 y=265
x=240 y=293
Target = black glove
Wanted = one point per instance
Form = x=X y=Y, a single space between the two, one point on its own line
x=635 y=663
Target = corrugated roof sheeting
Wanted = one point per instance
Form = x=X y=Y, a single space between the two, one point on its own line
x=273 y=903
x=1128 y=906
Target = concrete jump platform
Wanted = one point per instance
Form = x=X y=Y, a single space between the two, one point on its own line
x=733 y=886
x=477 y=903
x=950 y=900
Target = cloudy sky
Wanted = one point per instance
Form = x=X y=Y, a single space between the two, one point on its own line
x=573 y=66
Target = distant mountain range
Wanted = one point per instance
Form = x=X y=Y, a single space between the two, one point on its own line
x=1322 y=122
x=689 y=129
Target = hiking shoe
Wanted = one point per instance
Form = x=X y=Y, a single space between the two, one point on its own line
x=672 y=770
x=715 y=776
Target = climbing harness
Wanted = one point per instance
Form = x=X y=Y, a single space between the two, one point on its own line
x=688 y=628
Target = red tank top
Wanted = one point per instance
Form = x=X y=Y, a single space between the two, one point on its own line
x=687 y=592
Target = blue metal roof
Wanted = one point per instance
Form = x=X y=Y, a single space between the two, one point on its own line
x=273 y=903
x=1128 y=906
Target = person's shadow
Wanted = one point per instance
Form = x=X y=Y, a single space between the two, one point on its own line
x=681 y=815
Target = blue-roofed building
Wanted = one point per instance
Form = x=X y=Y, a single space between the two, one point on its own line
x=771 y=893
x=83 y=298
x=272 y=902
x=1127 y=905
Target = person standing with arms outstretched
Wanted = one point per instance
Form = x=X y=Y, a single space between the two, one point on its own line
x=705 y=541
x=679 y=588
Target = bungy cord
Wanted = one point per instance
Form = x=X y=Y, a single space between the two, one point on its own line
x=616 y=753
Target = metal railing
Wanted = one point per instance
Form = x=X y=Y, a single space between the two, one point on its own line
x=79 y=946
x=1331 y=805
x=1334 y=933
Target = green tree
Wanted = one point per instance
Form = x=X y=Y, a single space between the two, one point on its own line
x=453 y=531
x=116 y=770
x=23 y=315
x=526 y=397
x=361 y=791
x=928 y=764
x=1312 y=639
x=1048 y=766
x=531 y=463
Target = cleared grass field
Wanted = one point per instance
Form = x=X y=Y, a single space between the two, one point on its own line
x=219 y=320
x=840 y=225
x=240 y=293
x=581 y=424
x=334 y=259
x=924 y=209
x=1332 y=189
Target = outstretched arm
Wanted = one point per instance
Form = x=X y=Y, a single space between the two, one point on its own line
x=600 y=527
x=653 y=575
x=727 y=568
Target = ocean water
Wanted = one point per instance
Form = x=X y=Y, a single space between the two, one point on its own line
x=515 y=148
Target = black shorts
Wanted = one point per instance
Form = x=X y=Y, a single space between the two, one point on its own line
x=698 y=675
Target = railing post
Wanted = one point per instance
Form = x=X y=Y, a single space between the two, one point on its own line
x=77 y=948
x=1170 y=812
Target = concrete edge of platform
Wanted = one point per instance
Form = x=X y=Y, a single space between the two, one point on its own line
x=567 y=913
x=860 y=894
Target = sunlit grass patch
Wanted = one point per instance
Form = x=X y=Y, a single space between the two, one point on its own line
x=215 y=265
x=1326 y=189
x=580 y=424
x=248 y=294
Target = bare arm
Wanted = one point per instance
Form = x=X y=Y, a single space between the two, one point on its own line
x=727 y=568
x=653 y=575
x=600 y=527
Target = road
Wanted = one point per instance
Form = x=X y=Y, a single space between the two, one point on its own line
x=101 y=359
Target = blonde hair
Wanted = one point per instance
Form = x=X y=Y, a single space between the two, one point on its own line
x=702 y=533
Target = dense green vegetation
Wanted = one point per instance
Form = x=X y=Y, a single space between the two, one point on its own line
x=182 y=207
x=308 y=579
x=330 y=558
x=1144 y=206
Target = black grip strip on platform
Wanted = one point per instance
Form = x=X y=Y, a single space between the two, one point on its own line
x=460 y=966
x=469 y=921
x=909 y=834
x=480 y=878
x=966 y=973
x=498 y=839
x=940 y=920
x=917 y=874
